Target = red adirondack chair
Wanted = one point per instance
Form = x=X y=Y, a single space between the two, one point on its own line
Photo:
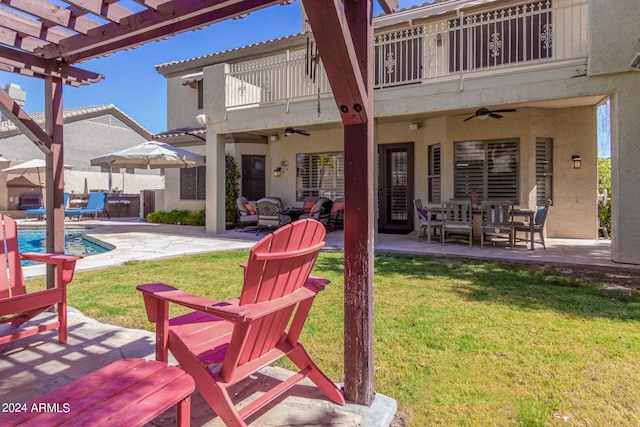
x=16 y=306
x=222 y=343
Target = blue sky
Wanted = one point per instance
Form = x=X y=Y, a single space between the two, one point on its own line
x=133 y=85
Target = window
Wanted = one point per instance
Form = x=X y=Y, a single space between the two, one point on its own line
x=193 y=183
x=490 y=168
x=433 y=177
x=253 y=177
x=320 y=174
x=508 y=36
x=544 y=170
x=200 y=88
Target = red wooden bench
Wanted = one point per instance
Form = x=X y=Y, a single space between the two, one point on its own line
x=129 y=392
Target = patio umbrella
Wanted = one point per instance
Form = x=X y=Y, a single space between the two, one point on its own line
x=30 y=166
x=149 y=155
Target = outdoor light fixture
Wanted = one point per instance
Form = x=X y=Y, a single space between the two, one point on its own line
x=635 y=64
x=282 y=169
x=577 y=161
x=414 y=126
x=201 y=119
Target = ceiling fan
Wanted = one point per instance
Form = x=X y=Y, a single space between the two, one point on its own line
x=483 y=113
x=291 y=131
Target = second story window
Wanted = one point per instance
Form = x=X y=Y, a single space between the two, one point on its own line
x=200 y=89
x=507 y=36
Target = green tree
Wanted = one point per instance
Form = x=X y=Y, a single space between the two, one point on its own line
x=604 y=186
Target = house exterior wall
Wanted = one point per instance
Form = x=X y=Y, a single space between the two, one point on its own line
x=182 y=107
x=555 y=99
x=83 y=140
x=172 y=187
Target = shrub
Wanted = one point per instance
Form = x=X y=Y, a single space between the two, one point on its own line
x=177 y=216
x=604 y=183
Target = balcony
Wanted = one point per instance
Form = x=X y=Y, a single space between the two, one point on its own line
x=542 y=33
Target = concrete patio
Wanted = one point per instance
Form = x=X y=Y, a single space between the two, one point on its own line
x=33 y=366
x=135 y=240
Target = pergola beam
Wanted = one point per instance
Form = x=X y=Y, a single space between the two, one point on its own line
x=47 y=67
x=170 y=18
x=335 y=45
x=23 y=121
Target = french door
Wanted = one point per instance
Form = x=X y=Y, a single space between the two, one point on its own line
x=395 y=188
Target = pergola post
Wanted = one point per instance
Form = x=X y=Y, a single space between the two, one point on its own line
x=54 y=172
x=344 y=35
x=359 y=226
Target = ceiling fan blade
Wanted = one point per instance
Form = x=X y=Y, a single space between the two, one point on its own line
x=302 y=132
x=510 y=110
x=469 y=118
x=495 y=116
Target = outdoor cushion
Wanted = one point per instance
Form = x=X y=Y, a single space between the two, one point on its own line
x=423 y=212
x=250 y=209
x=337 y=206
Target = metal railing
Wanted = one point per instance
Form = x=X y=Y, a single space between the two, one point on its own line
x=534 y=33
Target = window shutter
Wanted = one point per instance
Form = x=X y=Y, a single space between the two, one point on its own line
x=502 y=170
x=544 y=170
x=469 y=169
x=434 y=174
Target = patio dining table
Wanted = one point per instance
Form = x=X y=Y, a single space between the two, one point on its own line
x=528 y=215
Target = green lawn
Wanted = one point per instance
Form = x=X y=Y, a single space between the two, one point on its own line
x=469 y=344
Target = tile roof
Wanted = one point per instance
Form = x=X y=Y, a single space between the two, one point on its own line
x=437 y=7
x=7 y=127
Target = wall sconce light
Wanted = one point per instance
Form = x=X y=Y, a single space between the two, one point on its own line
x=201 y=119
x=274 y=138
x=635 y=64
x=414 y=126
x=577 y=161
x=282 y=169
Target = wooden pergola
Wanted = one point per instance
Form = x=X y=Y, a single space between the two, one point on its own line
x=43 y=39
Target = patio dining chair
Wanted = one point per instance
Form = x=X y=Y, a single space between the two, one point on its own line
x=457 y=219
x=497 y=220
x=539 y=220
x=428 y=223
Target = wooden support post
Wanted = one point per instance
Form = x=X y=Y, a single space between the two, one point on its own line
x=54 y=172
x=359 y=222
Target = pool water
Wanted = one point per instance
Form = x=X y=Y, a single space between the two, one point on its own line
x=33 y=240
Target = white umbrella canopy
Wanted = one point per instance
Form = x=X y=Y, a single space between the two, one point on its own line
x=30 y=166
x=150 y=154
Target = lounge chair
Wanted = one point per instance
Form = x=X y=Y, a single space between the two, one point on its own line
x=247 y=215
x=222 y=343
x=95 y=206
x=41 y=212
x=16 y=305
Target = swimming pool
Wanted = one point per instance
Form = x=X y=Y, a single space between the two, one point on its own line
x=33 y=240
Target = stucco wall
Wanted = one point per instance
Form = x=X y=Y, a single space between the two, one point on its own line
x=83 y=140
x=574 y=213
x=182 y=105
x=172 y=188
x=614 y=36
